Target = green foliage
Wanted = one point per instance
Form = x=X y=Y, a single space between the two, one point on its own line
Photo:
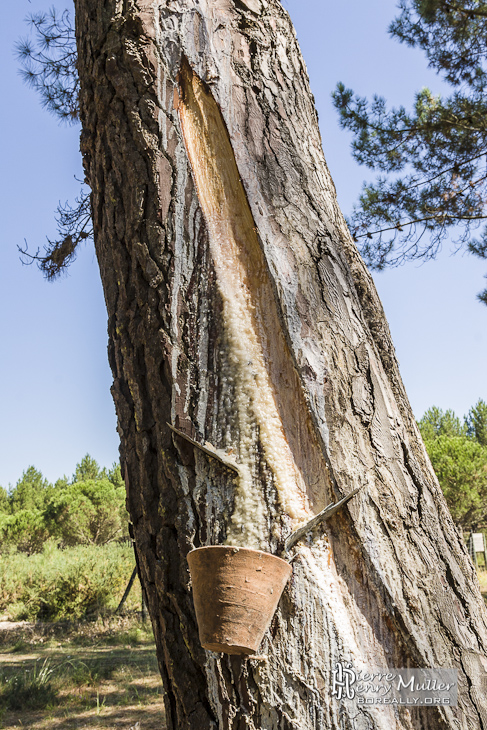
x=438 y=148
x=460 y=464
x=69 y=583
x=26 y=529
x=115 y=475
x=88 y=468
x=4 y=503
x=477 y=422
x=30 y=492
x=458 y=453
x=87 y=512
x=61 y=483
x=3 y=523
x=437 y=422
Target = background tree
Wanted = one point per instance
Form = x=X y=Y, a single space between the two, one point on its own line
x=460 y=464
x=23 y=524
x=436 y=422
x=25 y=530
x=88 y=469
x=30 y=492
x=4 y=505
x=114 y=474
x=458 y=454
x=476 y=422
x=89 y=512
x=434 y=156
x=61 y=483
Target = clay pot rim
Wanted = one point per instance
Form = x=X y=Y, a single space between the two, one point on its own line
x=237 y=548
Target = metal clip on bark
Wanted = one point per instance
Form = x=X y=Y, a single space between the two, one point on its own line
x=236 y=590
x=210 y=450
x=325 y=514
x=228 y=461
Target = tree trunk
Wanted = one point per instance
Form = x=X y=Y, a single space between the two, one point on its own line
x=240 y=312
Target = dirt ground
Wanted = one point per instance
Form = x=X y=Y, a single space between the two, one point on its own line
x=84 y=676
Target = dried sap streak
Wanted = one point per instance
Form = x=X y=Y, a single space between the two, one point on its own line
x=259 y=365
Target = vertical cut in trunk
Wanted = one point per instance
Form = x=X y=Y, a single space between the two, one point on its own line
x=268 y=394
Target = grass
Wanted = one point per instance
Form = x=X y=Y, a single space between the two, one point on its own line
x=89 y=675
x=69 y=674
x=482 y=576
x=28 y=689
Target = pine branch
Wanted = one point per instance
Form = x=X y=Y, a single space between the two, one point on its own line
x=74 y=226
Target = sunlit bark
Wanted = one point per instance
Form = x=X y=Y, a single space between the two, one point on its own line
x=240 y=312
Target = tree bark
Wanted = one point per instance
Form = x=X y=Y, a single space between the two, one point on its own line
x=240 y=312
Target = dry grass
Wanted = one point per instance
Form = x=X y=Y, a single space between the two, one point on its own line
x=89 y=676
x=482 y=576
x=96 y=675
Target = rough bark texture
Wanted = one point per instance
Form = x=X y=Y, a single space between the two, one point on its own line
x=240 y=311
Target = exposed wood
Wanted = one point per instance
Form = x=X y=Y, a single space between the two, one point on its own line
x=325 y=514
x=202 y=146
x=268 y=394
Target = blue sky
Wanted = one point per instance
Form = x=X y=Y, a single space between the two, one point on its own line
x=56 y=402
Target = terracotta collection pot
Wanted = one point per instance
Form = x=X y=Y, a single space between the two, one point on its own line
x=236 y=592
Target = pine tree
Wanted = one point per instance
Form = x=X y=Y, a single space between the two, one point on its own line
x=432 y=159
x=459 y=458
x=88 y=469
x=30 y=491
x=436 y=422
x=476 y=422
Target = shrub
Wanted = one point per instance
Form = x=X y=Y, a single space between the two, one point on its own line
x=26 y=530
x=89 y=512
x=64 y=584
x=460 y=464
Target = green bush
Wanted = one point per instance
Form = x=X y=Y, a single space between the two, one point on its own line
x=26 y=530
x=89 y=512
x=460 y=464
x=30 y=492
x=64 y=584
